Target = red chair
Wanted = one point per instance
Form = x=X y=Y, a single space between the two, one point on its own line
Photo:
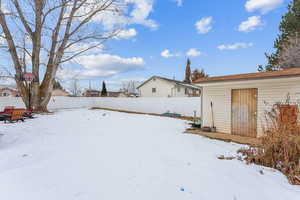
x=6 y=113
x=8 y=110
x=29 y=114
x=16 y=115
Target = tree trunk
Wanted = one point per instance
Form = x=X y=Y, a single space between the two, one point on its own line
x=39 y=97
x=41 y=108
x=23 y=92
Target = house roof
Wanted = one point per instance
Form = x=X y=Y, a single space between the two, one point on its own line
x=8 y=88
x=170 y=80
x=91 y=90
x=252 y=76
x=59 y=91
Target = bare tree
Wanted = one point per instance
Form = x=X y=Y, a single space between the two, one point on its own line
x=289 y=56
x=54 y=31
x=130 y=87
x=75 y=88
x=196 y=74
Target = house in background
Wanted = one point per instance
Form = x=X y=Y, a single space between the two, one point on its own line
x=239 y=102
x=60 y=92
x=97 y=93
x=9 y=92
x=116 y=94
x=92 y=93
x=157 y=86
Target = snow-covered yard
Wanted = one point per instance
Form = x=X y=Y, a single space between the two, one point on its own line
x=92 y=155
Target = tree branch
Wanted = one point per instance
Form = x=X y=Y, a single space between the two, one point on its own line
x=11 y=44
x=22 y=18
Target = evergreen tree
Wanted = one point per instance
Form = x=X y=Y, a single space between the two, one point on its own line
x=289 y=27
x=188 y=72
x=57 y=85
x=103 y=91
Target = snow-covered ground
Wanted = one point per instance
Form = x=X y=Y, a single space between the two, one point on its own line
x=92 y=155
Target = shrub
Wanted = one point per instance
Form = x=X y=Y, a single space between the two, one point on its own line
x=280 y=147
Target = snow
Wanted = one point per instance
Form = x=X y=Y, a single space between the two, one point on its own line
x=88 y=155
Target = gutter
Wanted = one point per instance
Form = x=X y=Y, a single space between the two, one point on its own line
x=247 y=79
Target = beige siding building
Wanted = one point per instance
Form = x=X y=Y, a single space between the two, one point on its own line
x=239 y=102
x=9 y=92
x=59 y=92
x=162 y=87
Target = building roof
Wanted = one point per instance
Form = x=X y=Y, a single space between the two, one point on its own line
x=8 y=88
x=252 y=76
x=170 y=80
x=59 y=92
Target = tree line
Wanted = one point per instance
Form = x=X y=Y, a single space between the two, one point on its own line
x=192 y=76
x=287 y=43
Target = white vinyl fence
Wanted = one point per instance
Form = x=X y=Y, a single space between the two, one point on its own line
x=185 y=106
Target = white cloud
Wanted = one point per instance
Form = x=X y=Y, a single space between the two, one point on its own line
x=126 y=34
x=179 y=2
x=141 y=12
x=130 y=12
x=250 y=24
x=136 y=79
x=4 y=8
x=203 y=26
x=104 y=60
x=167 y=54
x=2 y=39
x=235 y=46
x=193 y=52
x=263 y=6
x=101 y=65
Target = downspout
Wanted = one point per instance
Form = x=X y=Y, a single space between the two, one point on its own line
x=201 y=97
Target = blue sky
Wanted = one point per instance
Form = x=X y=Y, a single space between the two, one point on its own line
x=221 y=37
x=177 y=33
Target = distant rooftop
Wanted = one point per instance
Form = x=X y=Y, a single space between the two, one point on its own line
x=171 y=80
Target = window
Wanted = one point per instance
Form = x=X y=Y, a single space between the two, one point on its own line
x=153 y=90
x=178 y=89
